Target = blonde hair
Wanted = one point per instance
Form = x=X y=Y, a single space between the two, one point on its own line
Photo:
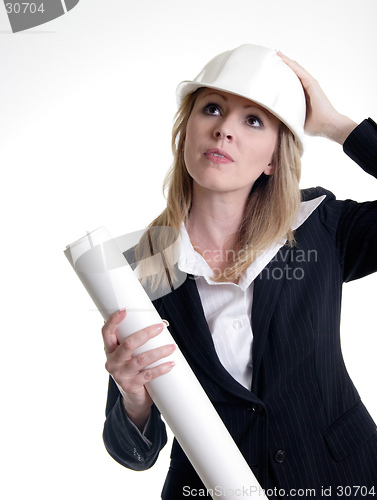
x=269 y=213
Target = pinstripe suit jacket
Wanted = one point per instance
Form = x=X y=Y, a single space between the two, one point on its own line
x=302 y=424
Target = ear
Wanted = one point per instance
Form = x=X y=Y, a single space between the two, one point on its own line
x=270 y=169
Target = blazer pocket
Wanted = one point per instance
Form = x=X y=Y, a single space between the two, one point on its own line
x=349 y=432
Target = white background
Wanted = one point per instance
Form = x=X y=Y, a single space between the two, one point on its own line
x=86 y=107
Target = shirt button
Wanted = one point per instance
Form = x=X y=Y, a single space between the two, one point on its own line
x=279 y=456
x=237 y=325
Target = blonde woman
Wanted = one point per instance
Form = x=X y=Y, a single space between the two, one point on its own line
x=258 y=316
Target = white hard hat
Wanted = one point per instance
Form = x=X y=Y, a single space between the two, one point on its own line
x=260 y=75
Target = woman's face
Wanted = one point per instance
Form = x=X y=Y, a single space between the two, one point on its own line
x=229 y=142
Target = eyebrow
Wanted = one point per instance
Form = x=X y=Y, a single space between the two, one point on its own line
x=254 y=105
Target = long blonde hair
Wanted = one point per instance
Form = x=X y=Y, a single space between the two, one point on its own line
x=269 y=213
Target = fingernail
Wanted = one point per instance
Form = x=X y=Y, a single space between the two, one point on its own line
x=166 y=322
x=158 y=328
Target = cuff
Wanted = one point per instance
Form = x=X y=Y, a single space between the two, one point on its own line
x=127 y=445
x=361 y=146
x=142 y=434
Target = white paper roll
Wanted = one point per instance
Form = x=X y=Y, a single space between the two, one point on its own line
x=178 y=395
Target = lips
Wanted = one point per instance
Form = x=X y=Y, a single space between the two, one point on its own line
x=218 y=156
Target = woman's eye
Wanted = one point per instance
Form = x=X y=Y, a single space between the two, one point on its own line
x=254 y=121
x=212 y=109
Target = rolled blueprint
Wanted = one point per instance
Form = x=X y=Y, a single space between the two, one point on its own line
x=178 y=395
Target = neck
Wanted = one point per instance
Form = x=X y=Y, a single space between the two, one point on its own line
x=213 y=224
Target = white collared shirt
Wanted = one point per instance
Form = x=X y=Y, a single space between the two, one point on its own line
x=227 y=306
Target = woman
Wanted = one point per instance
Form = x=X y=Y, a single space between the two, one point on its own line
x=259 y=324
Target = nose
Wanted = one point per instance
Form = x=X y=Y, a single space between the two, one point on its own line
x=224 y=128
x=222 y=133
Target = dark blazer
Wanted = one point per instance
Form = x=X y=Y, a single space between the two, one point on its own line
x=302 y=425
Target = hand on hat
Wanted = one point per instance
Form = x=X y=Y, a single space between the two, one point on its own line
x=322 y=119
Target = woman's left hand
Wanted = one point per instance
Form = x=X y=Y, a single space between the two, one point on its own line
x=322 y=119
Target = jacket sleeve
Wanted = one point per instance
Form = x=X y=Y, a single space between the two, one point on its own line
x=356 y=227
x=361 y=146
x=123 y=440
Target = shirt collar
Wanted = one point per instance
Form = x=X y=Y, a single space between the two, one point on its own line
x=191 y=262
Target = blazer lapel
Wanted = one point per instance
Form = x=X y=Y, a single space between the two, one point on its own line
x=184 y=310
x=267 y=288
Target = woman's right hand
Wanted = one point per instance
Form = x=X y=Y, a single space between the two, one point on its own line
x=129 y=370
